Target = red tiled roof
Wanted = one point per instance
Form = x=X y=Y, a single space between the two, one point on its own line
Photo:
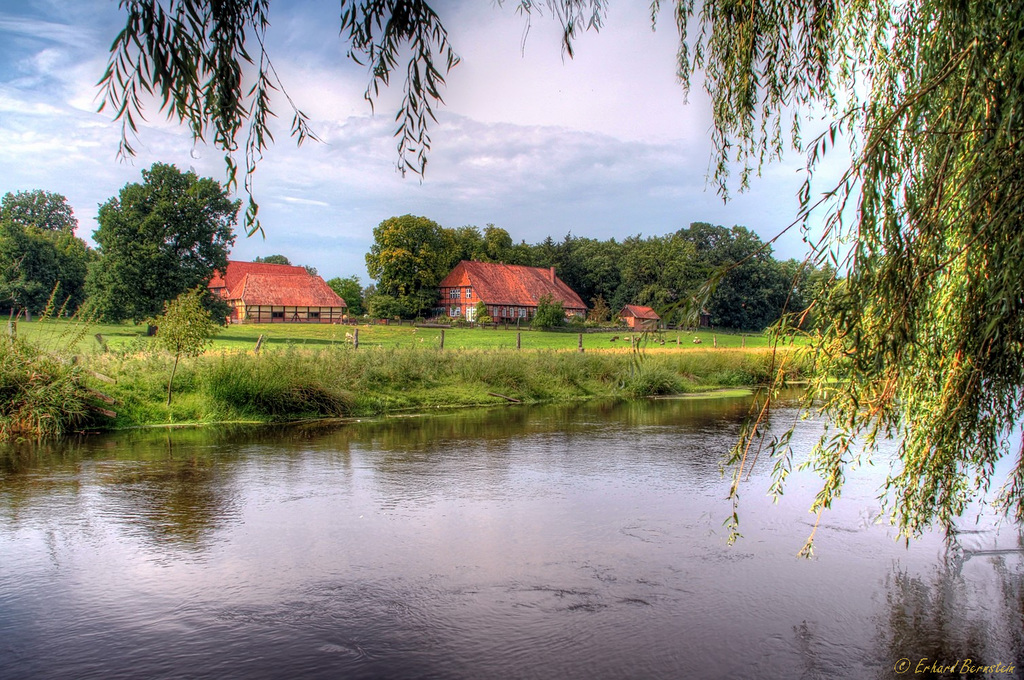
x=639 y=312
x=237 y=270
x=511 y=284
x=290 y=290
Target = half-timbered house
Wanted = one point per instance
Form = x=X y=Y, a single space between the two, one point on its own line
x=274 y=293
x=511 y=292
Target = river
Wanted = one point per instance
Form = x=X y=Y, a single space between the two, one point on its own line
x=566 y=542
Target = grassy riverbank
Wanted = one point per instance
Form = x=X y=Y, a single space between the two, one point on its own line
x=296 y=381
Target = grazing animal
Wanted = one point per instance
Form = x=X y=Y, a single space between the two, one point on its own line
x=348 y=336
x=614 y=338
x=697 y=341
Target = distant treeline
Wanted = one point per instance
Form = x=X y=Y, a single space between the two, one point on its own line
x=411 y=255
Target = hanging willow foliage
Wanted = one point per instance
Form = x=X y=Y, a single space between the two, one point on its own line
x=922 y=336
x=923 y=339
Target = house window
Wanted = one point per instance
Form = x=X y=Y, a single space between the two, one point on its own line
x=469 y=293
x=454 y=311
x=455 y=294
x=277 y=315
x=522 y=312
x=314 y=315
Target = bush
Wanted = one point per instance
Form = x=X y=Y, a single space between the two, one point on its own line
x=550 y=314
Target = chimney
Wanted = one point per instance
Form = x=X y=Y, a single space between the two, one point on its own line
x=552 y=275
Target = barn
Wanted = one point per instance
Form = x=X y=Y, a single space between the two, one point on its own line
x=511 y=292
x=274 y=293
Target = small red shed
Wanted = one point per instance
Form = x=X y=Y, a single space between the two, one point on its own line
x=640 y=318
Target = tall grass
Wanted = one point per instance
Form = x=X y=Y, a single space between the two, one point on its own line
x=276 y=385
x=294 y=382
x=40 y=394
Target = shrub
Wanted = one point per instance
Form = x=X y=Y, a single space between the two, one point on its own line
x=550 y=314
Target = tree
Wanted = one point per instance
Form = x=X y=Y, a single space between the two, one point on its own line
x=925 y=329
x=28 y=264
x=480 y=314
x=752 y=288
x=39 y=253
x=159 y=239
x=44 y=210
x=656 y=271
x=349 y=290
x=409 y=257
x=273 y=259
x=185 y=328
x=599 y=312
x=925 y=333
x=380 y=306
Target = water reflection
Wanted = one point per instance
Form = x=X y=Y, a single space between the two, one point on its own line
x=582 y=541
x=960 y=611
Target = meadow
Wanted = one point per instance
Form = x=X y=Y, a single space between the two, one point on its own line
x=121 y=337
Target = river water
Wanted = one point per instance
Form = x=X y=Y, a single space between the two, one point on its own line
x=559 y=542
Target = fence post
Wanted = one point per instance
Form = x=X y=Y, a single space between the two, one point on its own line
x=580 y=346
x=714 y=340
x=259 y=343
x=442 y=338
x=355 y=339
x=519 y=340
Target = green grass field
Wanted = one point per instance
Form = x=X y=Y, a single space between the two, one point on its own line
x=60 y=334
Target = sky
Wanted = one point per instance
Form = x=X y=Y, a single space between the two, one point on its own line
x=601 y=145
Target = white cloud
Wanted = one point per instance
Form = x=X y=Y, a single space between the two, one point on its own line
x=46 y=31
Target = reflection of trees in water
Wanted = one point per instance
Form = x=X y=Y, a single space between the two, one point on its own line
x=181 y=500
x=503 y=424
x=177 y=487
x=40 y=475
x=952 y=616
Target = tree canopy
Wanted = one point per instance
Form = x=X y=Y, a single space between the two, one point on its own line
x=45 y=210
x=159 y=239
x=273 y=259
x=409 y=257
x=925 y=332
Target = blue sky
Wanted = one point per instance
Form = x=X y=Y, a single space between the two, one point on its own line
x=602 y=145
